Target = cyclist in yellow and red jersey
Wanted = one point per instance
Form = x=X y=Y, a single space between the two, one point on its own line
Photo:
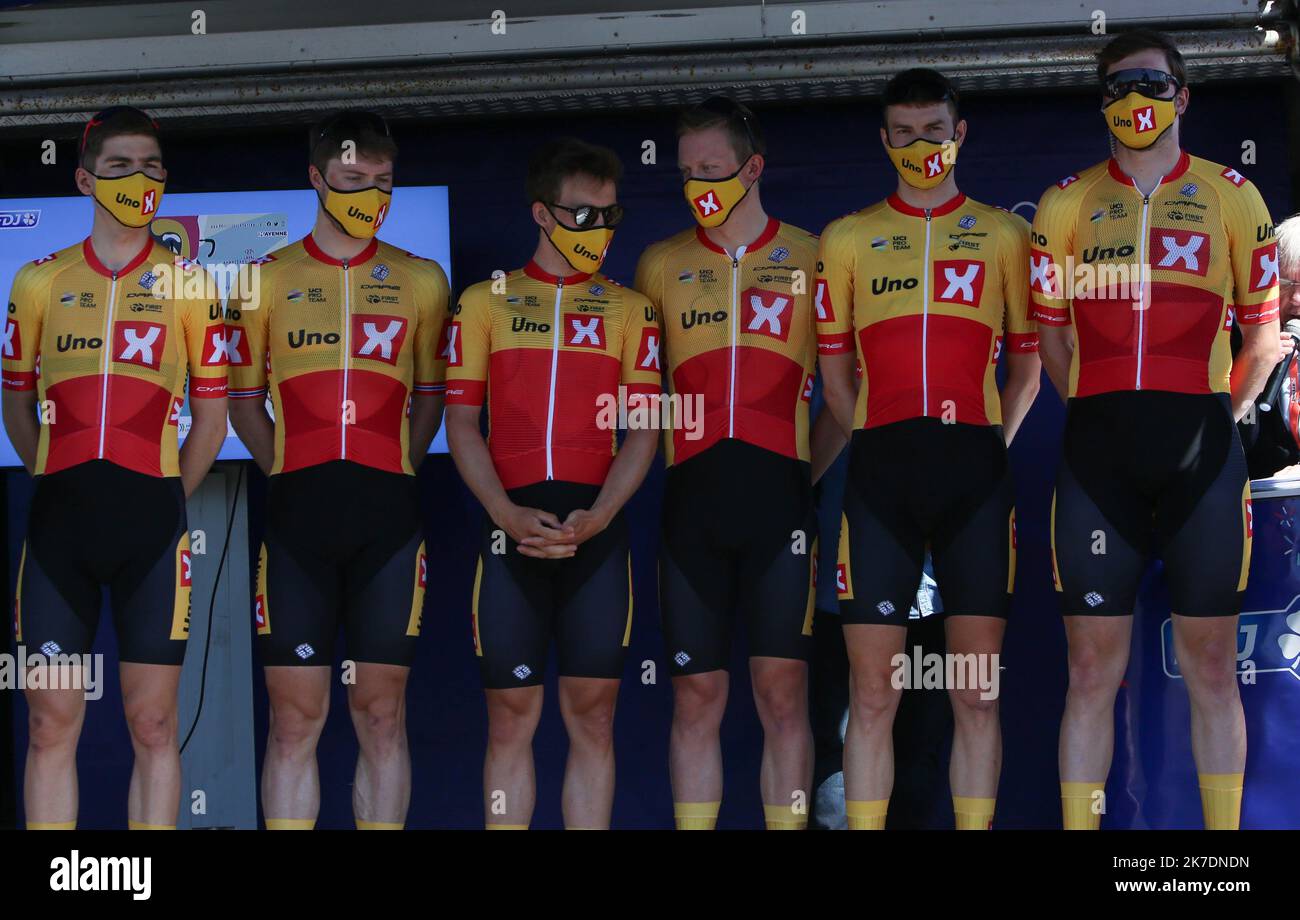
x=98 y=342
x=925 y=291
x=1140 y=265
x=554 y=349
x=349 y=327
x=734 y=294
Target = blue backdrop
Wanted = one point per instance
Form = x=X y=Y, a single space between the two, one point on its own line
x=824 y=160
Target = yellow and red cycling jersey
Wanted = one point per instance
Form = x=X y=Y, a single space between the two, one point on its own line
x=738 y=334
x=549 y=354
x=929 y=300
x=1151 y=284
x=343 y=345
x=107 y=353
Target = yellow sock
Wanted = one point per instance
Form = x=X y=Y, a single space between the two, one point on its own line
x=868 y=815
x=973 y=814
x=1077 y=799
x=1221 y=800
x=141 y=826
x=380 y=825
x=290 y=824
x=569 y=828
x=507 y=827
x=784 y=818
x=52 y=825
x=696 y=816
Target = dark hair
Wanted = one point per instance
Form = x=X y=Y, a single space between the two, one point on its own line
x=368 y=131
x=563 y=158
x=739 y=123
x=1121 y=46
x=919 y=86
x=117 y=121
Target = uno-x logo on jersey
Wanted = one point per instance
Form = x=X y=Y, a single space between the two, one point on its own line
x=1180 y=250
x=1250 y=519
x=215 y=335
x=187 y=571
x=766 y=312
x=449 y=343
x=378 y=337
x=997 y=349
x=647 y=354
x=235 y=347
x=584 y=331
x=958 y=281
x=1233 y=176
x=1263 y=268
x=707 y=204
x=11 y=345
x=139 y=343
x=1041 y=276
x=822 y=302
x=807 y=392
x=1228 y=316
x=174 y=417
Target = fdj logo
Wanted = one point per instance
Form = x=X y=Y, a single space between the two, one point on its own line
x=1268 y=642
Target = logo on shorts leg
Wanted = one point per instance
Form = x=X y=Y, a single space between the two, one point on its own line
x=1092 y=598
x=522 y=671
x=51 y=648
x=885 y=608
x=304 y=651
x=682 y=659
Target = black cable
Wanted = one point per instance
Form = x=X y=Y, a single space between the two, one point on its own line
x=212 y=605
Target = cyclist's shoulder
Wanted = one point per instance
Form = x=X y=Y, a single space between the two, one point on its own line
x=846 y=226
x=661 y=250
x=797 y=239
x=1069 y=191
x=41 y=270
x=1226 y=182
x=422 y=267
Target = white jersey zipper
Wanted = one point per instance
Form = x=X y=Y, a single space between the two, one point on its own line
x=107 y=350
x=925 y=321
x=1142 y=288
x=735 y=335
x=347 y=351
x=555 y=363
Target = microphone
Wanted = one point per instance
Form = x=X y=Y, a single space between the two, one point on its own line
x=1274 y=386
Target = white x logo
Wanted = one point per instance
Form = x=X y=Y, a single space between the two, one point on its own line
x=819 y=296
x=963 y=283
x=1145 y=119
x=449 y=350
x=221 y=347
x=651 y=359
x=765 y=315
x=8 y=342
x=1040 y=273
x=1186 y=252
x=934 y=165
x=707 y=204
x=139 y=347
x=585 y=331
x=381 y=341
x=1267 y=272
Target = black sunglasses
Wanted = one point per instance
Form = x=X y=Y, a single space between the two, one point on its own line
x=350 y=124
x=1143 y=80
x=731 y=110
x=100 y=117
x=584 y=215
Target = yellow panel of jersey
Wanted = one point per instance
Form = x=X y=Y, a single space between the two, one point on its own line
x=343 y=345
x=928 y=300
x=739 y=338
x=108 y=353
x=1151 y=285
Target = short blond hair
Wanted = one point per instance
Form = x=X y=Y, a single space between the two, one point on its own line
x=1288 y=246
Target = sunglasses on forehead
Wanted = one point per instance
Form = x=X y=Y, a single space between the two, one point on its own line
x=585 y=215
x=1141 y=80
x=350 y=124
x=99 y=118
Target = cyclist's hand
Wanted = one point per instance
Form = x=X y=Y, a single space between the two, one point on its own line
x=538 y=533
x=585 y=524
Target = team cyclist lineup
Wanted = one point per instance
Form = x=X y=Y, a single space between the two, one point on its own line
x=903 y=313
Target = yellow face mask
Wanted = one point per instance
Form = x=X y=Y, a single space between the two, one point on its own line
x=360 y=213
x=1138 y=121
x=713 y=200
x=924 y=164
x=584 y=250
x=132 y=200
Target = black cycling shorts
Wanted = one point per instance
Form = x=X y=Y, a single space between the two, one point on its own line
x=925 y=482
x=739 y=538
x=1147 y=471
x=343 y=544
x=584 y=601
x=97 y=525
